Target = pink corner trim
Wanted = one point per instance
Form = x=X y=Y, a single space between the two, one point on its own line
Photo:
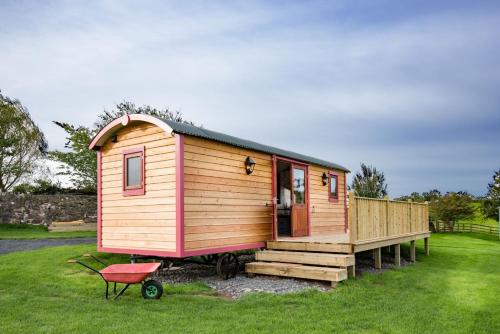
x=106 y=132
x=99 y=199
x=308 y=195
x=345 y=203
x=274 y=200
x=179 y=193
x=142 y=189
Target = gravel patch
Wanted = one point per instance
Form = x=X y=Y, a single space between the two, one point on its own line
x=12 y=245
x=241 y=284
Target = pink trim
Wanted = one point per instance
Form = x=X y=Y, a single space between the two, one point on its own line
x=274 y=200
x=99 y=199
x=142 y=189
x=184 y=254
x=224 y=249
x=274 y=175
x=345 y=203
x=333 y=199
x=308 y=194
x=179 y=193
x=102 y=136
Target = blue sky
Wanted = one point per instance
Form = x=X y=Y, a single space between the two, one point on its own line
x=411 y=87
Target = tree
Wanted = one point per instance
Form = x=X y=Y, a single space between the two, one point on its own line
x=451 y=207
x=491 y=203
x=22 y=143
x=79 y=162
x=125 y=108
x=369 y=182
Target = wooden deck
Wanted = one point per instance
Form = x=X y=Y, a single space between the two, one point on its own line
x=373 y=224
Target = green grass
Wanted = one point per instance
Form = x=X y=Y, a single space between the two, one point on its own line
x=478 y=217
x=455 y=289
x=25 y=231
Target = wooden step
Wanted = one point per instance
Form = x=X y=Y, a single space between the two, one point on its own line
x=70 y=228
x=69 y=223
x=320 y=259
x=310 y=246
x=297 y=271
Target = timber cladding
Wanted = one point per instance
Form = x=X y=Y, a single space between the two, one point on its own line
x=223 y=206
x=326 y=217
x=147 y=221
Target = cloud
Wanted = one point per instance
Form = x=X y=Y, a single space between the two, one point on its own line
x=399 y=87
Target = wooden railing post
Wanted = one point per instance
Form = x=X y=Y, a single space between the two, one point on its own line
x=353 y=218
x=409 y=210
x=386 y=216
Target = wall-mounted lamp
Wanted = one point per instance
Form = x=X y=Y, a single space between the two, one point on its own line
x=324 y=178
x=249 y=165
x=114 y=138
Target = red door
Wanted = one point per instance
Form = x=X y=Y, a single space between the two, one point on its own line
x=300 y=224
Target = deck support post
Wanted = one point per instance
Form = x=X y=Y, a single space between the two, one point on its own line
x=377 y=255
x=426 y=246
x=412 y=251
x=397 y=255
x=351 y=271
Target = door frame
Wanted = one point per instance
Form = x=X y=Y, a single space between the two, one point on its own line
x=275 y=160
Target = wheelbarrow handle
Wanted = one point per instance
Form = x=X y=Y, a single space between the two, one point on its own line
x=85 y=265
x=96 y=259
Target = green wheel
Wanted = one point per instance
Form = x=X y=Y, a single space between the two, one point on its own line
x=152 y=290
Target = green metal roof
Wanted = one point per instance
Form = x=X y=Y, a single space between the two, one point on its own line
x=191 y=130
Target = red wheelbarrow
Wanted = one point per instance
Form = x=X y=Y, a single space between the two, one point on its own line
x=132 y=273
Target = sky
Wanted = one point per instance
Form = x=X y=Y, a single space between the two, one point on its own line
x=411 y=87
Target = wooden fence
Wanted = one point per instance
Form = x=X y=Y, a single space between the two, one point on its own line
x=466 y=227
x=372 y=219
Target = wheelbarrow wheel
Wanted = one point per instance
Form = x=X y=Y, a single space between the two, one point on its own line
x=227 y=266
x=152 y=290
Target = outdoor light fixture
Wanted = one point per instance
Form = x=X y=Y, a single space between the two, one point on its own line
x=249 y=165
x=324 y=178
x=114 y=139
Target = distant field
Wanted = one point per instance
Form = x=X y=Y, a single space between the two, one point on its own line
x=478 y=217
x=24 y=231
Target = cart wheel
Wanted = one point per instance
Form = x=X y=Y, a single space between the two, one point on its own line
x=209 y=259
x=152 y=290
x=227 y=266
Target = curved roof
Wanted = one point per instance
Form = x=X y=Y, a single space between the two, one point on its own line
x=191 y=130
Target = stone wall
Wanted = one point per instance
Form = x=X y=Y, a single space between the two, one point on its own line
x=45 y=209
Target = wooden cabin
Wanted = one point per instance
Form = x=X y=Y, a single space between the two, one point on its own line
x=174 y=190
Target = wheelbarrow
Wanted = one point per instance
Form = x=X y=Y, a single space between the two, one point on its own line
x=130 y=273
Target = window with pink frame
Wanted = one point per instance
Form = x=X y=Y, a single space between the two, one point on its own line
x=333 y=187
x=133 y=172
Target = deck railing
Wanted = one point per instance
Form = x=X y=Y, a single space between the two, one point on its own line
x=371 y=219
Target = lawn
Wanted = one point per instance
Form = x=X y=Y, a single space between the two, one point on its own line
x=24 y=231
x=479 y=217
x=455 y=289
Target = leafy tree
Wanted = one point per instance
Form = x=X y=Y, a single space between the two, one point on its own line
x=369 y=182
x=491 y=203
x=126 y=108
x=22 y=143
x=428 y=196
x=79 y=162
x=451 y=207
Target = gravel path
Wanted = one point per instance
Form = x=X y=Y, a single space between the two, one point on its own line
x=9 y=246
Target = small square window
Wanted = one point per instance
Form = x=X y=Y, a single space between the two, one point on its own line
x=333 y=187
x=133 y=172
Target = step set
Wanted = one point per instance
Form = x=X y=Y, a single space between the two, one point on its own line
x=304 y=260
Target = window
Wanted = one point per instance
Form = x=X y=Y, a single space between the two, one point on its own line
x=333 y=187
x=299 y=186
x=133 y=172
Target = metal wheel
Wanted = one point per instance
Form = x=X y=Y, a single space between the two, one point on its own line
x=227 y=266
x=152 y=290
x=210 y=258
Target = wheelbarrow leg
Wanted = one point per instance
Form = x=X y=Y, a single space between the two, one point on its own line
x=122 y=291
x=107 y=288
x=114 y=289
